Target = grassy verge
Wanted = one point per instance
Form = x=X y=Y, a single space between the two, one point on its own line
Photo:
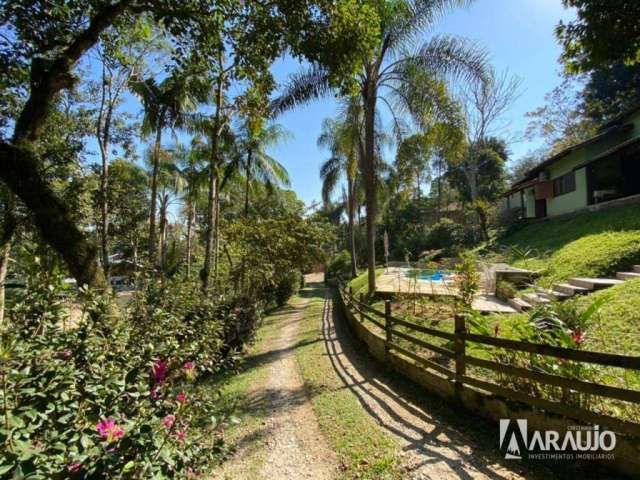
x=365 y=451
x=360 y=284
x=589 y=244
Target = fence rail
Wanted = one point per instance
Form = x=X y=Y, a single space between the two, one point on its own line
x=461 y=337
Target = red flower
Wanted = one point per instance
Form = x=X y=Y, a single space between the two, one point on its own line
x=159 y=371
x=190 y=370
x=181 y=435
x=155 y=392
x=74 y=467
x=109 y=431
x=65 y=354
x=577 y=336
x=169 y=420
x=181 y=397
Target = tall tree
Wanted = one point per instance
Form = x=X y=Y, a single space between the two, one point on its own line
x=121 y=56
x=256 y=163
x=392 y=72
x=166 y=105
x=604 y=32
x=47 y=39
x=343 y=138
x=191 y=162
x=561 y=122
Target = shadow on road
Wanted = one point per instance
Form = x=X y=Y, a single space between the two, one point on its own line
x=439 y=438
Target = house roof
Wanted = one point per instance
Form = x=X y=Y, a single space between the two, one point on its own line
x=621 y=117
x=615 y=125
x=611 y=151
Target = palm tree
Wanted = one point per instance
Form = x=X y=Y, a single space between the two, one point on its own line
x=170 y=183
x=343 y=139
x=219 y=147
x=393 y=75
x=165 y=105
x=256 y=164
x=191 y=164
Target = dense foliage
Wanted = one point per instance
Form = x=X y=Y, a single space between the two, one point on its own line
x=96 y=395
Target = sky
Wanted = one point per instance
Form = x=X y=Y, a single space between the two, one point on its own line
x=519 y=37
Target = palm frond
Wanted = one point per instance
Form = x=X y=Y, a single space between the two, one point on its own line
x=415 y=16
x=330 y=172
x=301 y=88
x=448 y=57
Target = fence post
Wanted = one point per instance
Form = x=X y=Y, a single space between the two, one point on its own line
x=388 y=324
x=361 y=298
x=459 y=350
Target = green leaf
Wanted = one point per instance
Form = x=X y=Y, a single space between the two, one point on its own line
x=128 y=466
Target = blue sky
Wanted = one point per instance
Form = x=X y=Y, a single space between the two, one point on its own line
x=518 y=36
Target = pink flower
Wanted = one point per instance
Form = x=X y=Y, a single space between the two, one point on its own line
x=169 y=420
x=159 y=371
x=155 y=392
x=181 y=435
x=189 y=366
x=65 y=354
x=190 y=370
x=181 y=397
x=109 y=431
x=74 y=467
x=577 y=336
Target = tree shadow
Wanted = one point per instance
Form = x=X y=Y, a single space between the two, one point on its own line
x=426 y=423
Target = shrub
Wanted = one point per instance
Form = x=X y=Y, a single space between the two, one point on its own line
x=287 y=286
x=467 y=280
x=506 y=290
x=116 y=396
x=446 y=234
x=508 y=220
x=340 y=265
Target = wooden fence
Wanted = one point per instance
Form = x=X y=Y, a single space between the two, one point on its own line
x=461 y=380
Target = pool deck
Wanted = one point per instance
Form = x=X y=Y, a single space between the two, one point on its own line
x=394 y=281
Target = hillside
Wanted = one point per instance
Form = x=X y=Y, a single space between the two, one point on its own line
x=587 y=244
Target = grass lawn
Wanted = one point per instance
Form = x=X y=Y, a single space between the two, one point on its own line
x=360 y=284
x=588 y=244
x=364 y=449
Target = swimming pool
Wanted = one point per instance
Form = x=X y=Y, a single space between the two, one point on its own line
x=429 y=275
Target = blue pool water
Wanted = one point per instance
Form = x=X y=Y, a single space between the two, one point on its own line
x=430 y=275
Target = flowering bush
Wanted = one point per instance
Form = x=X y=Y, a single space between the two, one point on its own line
x=117 y=396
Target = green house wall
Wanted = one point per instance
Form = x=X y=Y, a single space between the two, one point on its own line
x=529 y=202
x=578 y=199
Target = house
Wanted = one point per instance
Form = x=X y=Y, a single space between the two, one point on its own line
x=603 y=170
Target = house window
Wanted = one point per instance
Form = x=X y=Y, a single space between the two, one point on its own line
x=564 y=184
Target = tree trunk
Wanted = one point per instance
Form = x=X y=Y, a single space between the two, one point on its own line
x=20 y=170
x=352 y=236
x=103 y=128
x=216 y=238
x=9 y=229
x=162 y=251
x=247 y=182
x=369 y=94
x=214 y=163
x=154 y=195
x=190 y=215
